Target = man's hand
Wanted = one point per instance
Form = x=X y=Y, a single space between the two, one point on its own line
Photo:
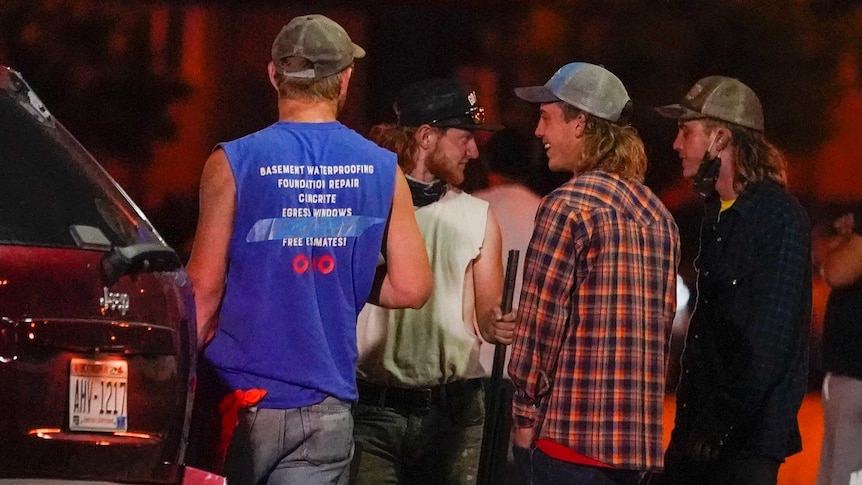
x=502 y=331
x=702 y=449
x=845 y=224
x=523 y=437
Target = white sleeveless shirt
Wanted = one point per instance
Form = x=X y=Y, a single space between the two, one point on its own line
x=439 y=342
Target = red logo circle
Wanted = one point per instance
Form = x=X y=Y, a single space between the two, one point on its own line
x=300 y=263
x=325 y=264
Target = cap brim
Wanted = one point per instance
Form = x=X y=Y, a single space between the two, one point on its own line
x=489 y=127
x=536 y=94
x=472 y=126
x=358 y=52
x=678 y=112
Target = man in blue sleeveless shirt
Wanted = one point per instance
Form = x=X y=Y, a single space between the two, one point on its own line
x=292 y=221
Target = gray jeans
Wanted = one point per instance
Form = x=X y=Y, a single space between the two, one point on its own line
x=841 y=451
x=303 y=446
x=437 y=445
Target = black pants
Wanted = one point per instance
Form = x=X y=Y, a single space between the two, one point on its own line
x=733 y=469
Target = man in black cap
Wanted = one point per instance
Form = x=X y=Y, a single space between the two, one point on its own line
x=421 y=407
x=745 y=363
x=293 y=218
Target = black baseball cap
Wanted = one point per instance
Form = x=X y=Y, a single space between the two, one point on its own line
x=442 y=103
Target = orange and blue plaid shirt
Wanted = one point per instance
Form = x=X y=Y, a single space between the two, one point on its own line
x=597 y=304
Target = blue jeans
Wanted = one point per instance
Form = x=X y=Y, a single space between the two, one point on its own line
x=303 y=446
x=536 y=468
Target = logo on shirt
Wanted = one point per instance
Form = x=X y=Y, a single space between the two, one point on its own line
x=323 y=264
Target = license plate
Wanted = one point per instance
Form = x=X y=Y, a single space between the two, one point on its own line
x=98 y=391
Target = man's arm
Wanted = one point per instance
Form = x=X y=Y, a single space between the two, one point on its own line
x=488 y=285
x=408 y=281
x=208 y=262
x=545 y=306
x=842 y=265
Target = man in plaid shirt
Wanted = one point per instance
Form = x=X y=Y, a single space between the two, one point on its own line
x=745 y=364
x=599 y=294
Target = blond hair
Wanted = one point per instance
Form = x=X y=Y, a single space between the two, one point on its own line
x=327 y=88
x=756 y=158
x=609 y=147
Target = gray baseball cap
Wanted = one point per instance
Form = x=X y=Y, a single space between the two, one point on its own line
x=320 y=41
x=585 y=86
x=719 y=97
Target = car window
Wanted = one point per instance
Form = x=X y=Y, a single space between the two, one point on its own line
x=51 y=188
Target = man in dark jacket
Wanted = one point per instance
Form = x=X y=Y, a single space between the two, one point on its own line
x=744 y=368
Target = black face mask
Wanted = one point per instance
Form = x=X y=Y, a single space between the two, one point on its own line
x=707 y=174
x=424 y=194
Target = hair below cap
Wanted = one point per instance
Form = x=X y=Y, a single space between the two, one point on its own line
x=585 y=86
x=721 y=98
x=317 y=39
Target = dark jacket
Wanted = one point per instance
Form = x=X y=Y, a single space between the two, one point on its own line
x=745 y=363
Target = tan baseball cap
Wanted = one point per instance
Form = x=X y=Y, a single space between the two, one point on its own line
x=719 y=97
x=320 y=41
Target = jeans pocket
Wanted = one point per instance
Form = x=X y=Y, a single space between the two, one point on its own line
x=328 y=428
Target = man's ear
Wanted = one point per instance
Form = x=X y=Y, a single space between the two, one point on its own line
x=424 y=136
x=345 y=81
x=723 y=138
x=270 y=69
x=579 y=124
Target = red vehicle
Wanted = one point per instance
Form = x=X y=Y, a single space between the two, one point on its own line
x=97 y=338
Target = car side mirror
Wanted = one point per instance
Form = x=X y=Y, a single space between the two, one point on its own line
x=138 y=258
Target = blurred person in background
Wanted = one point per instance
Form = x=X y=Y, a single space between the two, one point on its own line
x=592 y=341
x=841 y=267
x=745 y=362
x=515 y=204
x=420 y=415
x=278 y=287
x=511 y=200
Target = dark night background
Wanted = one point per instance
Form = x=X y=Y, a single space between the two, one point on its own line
x=150 y=86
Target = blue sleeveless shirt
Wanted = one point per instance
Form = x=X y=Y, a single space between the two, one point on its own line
x=312 y=201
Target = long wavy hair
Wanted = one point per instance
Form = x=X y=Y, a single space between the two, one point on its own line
x=756 y=158
x=398 y=139
x=609 y=147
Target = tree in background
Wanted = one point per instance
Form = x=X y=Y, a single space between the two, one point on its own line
x=93 y=65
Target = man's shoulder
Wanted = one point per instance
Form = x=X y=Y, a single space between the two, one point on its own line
x=508 y=192
x=771 y=201
x=601 y=190
x=601 y=185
